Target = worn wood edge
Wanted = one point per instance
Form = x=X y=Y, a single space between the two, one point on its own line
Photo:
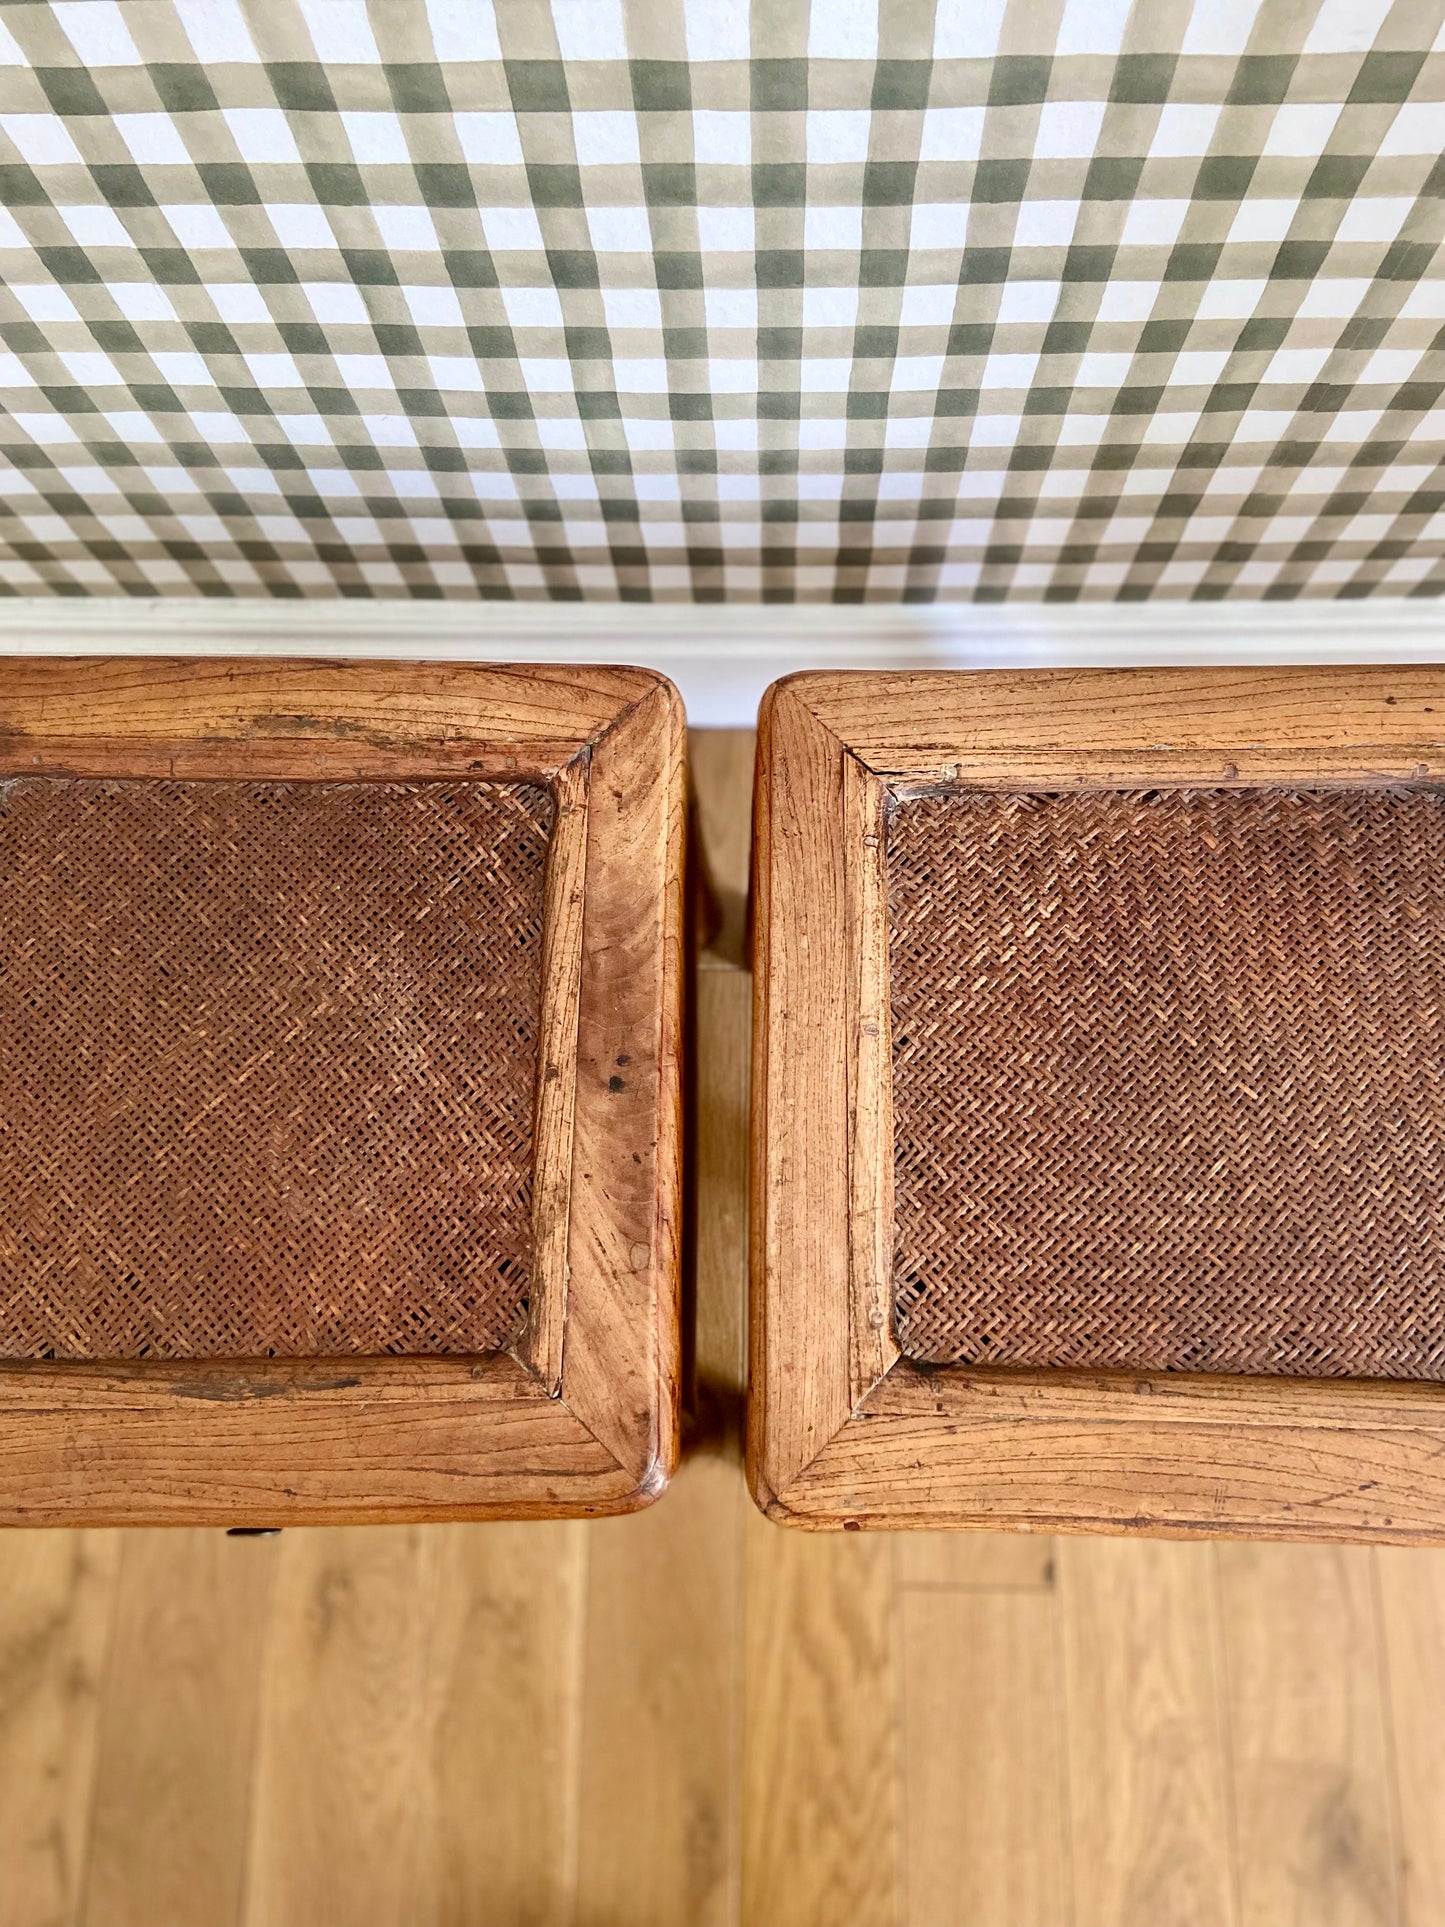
x=1185 y=1456
x=1044 y=724
x=1172 y=1398
x=37 y=727
x=799 y=1344
x=756 y=1467
x=296 y=1441
x=256 y=718
x=621 y=1365
x=671 y=1200
x=385 y=706
x=872 y=1349
x=1231 y=767
x=853 y=708
x=303 y=758
x=564 y=890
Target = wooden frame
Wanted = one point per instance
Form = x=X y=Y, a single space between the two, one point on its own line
x=581 y=1417
x=842 y=1430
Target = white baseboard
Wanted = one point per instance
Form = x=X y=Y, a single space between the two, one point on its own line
x=723 y=656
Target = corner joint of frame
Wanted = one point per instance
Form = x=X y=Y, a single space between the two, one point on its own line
x=885 y=778
x=779 y=1508
x=660 y=692
x=860 y=1415
x=784 y=1499
x=520 y=1352
x=791 y=693
x=652 y=1482
x=578 y=764
x=650 y=1477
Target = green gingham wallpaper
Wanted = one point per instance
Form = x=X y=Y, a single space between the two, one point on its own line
x=862 y=300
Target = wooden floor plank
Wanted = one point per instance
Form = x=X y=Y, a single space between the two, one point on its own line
x=338 y=1802
x=722 y=774
x=1312 y=1792
x=662 y=1698
x=723 y=1009
x=57 y=1598
x=982 y=1760
x=1412 y=1603
x=496 y=1835
x=819 y=1758
x=658 y=1711
x=174 y=1778
x=974 y=1560
x=820 y=1744
x=1148 y=1798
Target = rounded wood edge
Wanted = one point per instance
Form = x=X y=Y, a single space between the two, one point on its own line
x=756 y=1465
x=913 y=722
x=672 y=1182
x=634 y=1337
x=798 y=1380
x=277 y=1519
x=660 y=693
x=372 y=701
x=1195 y=1530
x=822 y=694
x=777 y=1511
x=803 y=1508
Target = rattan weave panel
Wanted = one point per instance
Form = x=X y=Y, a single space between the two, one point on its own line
x=1169 y=1080
x=267 y=1065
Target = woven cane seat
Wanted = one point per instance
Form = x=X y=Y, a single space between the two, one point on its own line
x=267 y=1066
x=1169 y=1080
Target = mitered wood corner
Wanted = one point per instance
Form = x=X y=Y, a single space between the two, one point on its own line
x=580 y=1417
x=842 y=1431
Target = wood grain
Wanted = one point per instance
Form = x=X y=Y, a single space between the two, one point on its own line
x=489 y=1620
x=552 y=1131
x=298 y=758
x=831 y=1443
x=337 y=1797
x=721 y=1070
x=1035 y=726
x=1316 y=1833
x=872 y=1350
x=820 y=1739
x=169 y=1823
x=986 y=1838
x=57 y=1600
x=660 y=1705
x=622 y=1354
x=266 y=1442
x=389 y=708
x=1412 y=1620
x=664 y=1607
x=662 y=1701
x=1312 y=1459
x=289 y=1441
x=975 y=1560
x=497 y=1762
x=720 y=1170
x=1148 y=1780
x=800 y=1357
x=721 y=761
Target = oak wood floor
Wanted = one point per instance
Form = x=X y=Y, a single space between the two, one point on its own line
x=693 y=1719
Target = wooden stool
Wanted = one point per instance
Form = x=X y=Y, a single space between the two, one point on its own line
x=339 y=1090
x=1099 y=1102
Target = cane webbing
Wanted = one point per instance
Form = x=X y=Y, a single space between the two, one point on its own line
x=1169 y=1080
x=267 y=1065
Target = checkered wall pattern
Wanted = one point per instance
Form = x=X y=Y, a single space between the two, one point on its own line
x=860 y=300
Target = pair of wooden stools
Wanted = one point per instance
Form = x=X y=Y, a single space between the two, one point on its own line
x=1098 y=1116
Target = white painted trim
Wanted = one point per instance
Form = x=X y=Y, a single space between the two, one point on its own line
x=723 y=656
